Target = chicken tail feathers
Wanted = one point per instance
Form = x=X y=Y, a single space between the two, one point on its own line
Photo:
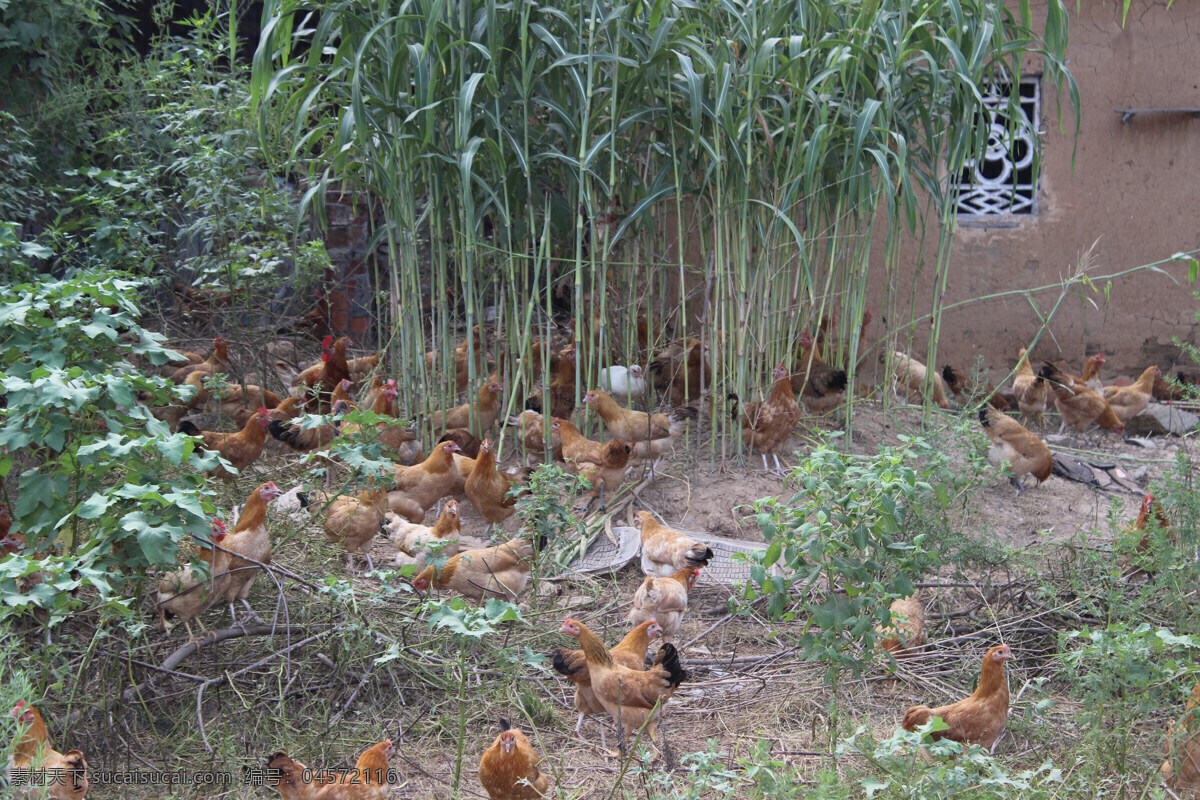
x=983 y=415
x=565 y=662
x=734 y=410
x=915 y=717
x=668 y=659
x=699 y=556
x=188 y=428
x=533 y=403
x=684 y=413
x=504 y=726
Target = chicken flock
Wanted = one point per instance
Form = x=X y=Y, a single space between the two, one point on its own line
x=621 y=683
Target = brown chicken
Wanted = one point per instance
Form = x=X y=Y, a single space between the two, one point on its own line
x=425 y=483
x=249 y=540
x=910 y=378
x=467 y=442
x=65 y=774
x=532 y=426
x=905 y=636
x=1151 y=519
x=462 y=360
x=1011 y=442
x=361 y=367
x=1032 y=391
x=664 y=600
x=508 y=769
x=218 y=361
x=487 y=488
x=501 y=571
x=319 y=385
x=342 y=392
x=240 y=449
x=355 y=521
x=486 y=408
x=767 y=425
x=235 y=400
x=635 y=699
x=304 y=439
x=688 y=376
x=650 y=435
x=1181 y=770
x=184 y=595
x=367 y=781
x=666 y=551
x=966 y=390
x=561 y=389
x=1090 y=377
x=1129 y=401
x=980 y=718
x=1078 y=405
x=413 y=541
x=821 y=387
x=631 y=653
x=397 y=439
x=608 y=474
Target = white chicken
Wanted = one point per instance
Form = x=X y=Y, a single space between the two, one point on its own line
x=623 y=383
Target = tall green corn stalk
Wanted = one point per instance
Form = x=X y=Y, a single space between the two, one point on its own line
x=747 y=152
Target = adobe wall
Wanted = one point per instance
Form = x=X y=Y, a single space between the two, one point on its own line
x=1134 y=190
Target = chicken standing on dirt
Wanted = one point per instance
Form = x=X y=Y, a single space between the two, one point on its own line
x=240 y=449
x=634 y=698
x=487 y=488
x=978 y=719
x=418 y=487
x=1078 y=405
x=664 y=600
x=608 y=474
x=821 y=387
x=910 y=379
x=1013 y=444
x=248 y=543
x=355 y=521
x=367 y=781
x=1129 y=401
x=533 y=430
x=1032 y=391
x=186 y=594
x=218 y=361
x=508 y=769
x=501 y=572
x=651 y=435
x=767 y=425
x=666 y=551
x=66 y=774
x=631 y=653
x=486 y=408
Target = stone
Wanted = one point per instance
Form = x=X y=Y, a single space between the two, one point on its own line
x=1160 y=419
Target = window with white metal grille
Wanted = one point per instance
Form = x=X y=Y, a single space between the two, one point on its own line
x=1004 y=180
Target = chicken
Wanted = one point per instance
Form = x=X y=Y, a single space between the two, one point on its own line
x=906 y=633
x=508 y=769
x=1181 y=770
x=623 y=383
x=968 y=391
x=1129 y=401
x=767 y=425
x=664 y=600
x=487 y=488
x=1011 y=442
x=462 y=360
x=65 y=774
x=636 y=699
x=237 y=401
x=980 y=718
x=304 y=439
x=361 y=367
x=342 y=392
x=354 y=521
x=577 y=449
x=425 y=483
x=319 y=385
x=249 y=540
x=821 y=387
x=413 y=540
x=218 y=361
x=240 y=449
x=367 y=781
x=1032 y=391
x=666 y=551
x=467 y=442
x=501 y=571
x=533 y=429
x=648 y=434
x=1151 y=518
x=1078 y=405
x=607 y=475
x=910 y=377
x=186 y=594
x=397 y=440
x=487 y=407
x=561 y=390
x=187 y=358
x=1090 y=377
x=631 y=653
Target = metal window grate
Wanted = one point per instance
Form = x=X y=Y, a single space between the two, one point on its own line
x=1004 y=180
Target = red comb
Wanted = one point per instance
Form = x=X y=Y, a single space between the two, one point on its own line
x=262 y=410
x=327 y=342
